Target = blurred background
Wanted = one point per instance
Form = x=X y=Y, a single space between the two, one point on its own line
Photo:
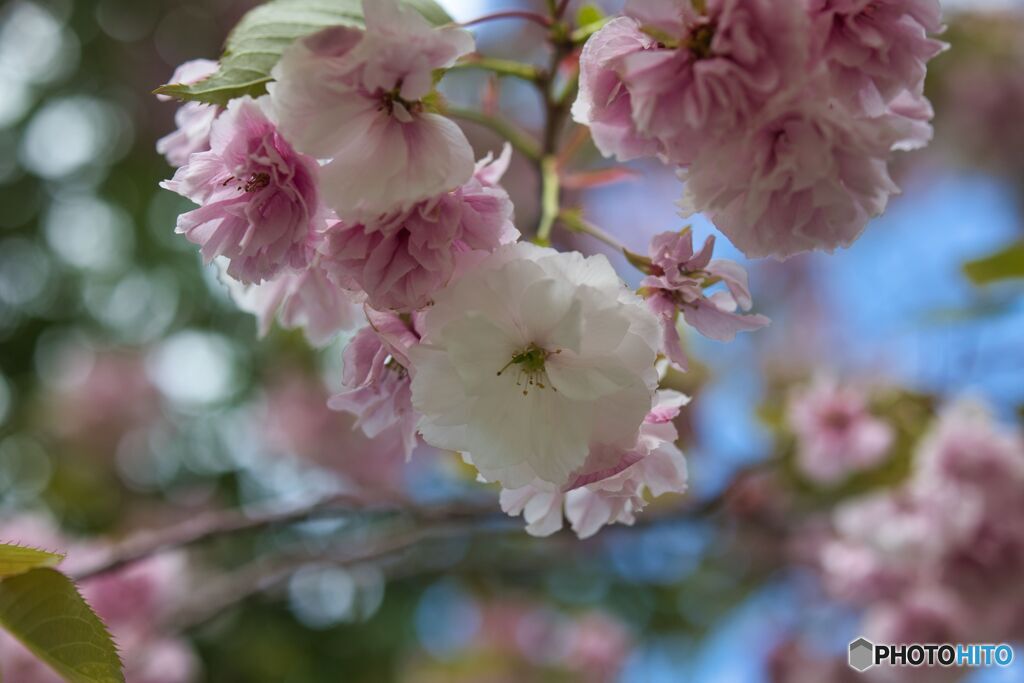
x=134 y=394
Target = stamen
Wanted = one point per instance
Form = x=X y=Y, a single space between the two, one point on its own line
x=532 y=372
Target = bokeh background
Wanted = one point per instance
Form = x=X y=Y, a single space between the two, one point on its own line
x=134 y=394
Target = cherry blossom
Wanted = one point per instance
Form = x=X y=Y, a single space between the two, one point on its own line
x=877 y=49
x=612 y=492
x=677 y=284
x=531 y=357
x=259 y=203
x=690 y=76
x=806 y=176
x=836 y=433
x=299 y=299
x=400 y=259
x=356 y=98
x=377 y=379
x=193 y=119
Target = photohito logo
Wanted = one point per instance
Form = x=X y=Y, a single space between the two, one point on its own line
x=864 y=654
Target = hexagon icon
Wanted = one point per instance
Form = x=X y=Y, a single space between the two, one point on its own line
x=862 y=654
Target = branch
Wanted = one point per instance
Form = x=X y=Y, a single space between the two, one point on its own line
x=224 y=591
x=511 y=14
x=502 y=67
x=226 y=523
x=519 y=139
x=573 y=220
x=549 y=199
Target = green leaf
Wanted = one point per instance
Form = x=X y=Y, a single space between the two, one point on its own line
x=255 y=45
x=16 y=559
x=1005 y=264
x=589 y=14
x=43 y=609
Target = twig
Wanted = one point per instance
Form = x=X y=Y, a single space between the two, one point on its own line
x=227 y=523
x=526 y=15
x=520 y=140
x=265 y=574
x=502 y=67
x=549 y=199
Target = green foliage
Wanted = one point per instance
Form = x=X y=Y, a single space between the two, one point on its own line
x=257 y=42
x=1005 y=264
x=16 y=559
x=589 y=14
x=43 y=609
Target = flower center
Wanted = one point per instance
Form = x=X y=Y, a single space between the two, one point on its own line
x=392 y=364
x=700 y=39
x=531 y=363
x=257 y=181
x=391 y=100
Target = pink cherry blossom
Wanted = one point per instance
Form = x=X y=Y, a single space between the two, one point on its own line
x=836 y=433
x=400 y=259
x=677 y=284
x=299 y=299
x=688 y=76
x=193 y=119
x=259 y=205
x=391 y=151
x=944 y=548
x=377 y=379
x=808 y=176
x=877 y=49
x=612 y=485
x=297 y=421
x=604 y=102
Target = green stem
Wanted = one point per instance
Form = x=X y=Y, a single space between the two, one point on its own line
x=502 y=67
x=519 y=139
x=581 y=34
x=573 y=220
x=549 y=196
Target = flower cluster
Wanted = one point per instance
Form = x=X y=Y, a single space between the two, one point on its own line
x=780 y=116
x=939 y=558
x=346 y=203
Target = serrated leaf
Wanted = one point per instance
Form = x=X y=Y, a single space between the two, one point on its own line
x=43 y=609
x=255 y=45
x=16 y=559
x=1005 y=264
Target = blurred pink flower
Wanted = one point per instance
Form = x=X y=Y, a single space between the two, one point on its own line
x=836 y=433
x=377 y=379
x=876 y=49
x=193 y=119
x=297 y=420
x=678 y=283
x=259 y=206
x=401 y=259
x=391 y=152
x=131 y=602
x=102 y=395
x=951 y=533
x=598 y=645
x=967 y=449
x=304 y=299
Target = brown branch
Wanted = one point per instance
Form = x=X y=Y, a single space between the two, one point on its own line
x=226 y=523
